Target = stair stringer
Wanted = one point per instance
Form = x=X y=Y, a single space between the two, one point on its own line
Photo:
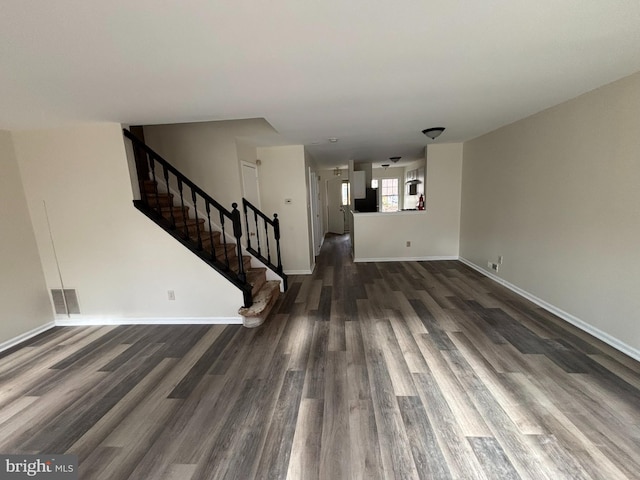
x=255 y=262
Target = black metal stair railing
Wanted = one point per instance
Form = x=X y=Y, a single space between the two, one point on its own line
x=197 y=234
x=262 y=229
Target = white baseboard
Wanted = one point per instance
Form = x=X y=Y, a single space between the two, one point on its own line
x=25 y=336
x=407 y=259
x=566 y=316
x=298 y=272
x=80 y=322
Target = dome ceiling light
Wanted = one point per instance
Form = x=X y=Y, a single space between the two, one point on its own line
x=434 y=132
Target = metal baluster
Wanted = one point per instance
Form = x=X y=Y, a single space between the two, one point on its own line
x=211 y=245
x=186 y=227
x=223 y=238
x=145 y=194
x=255 y=216
x=155 y=182
x=170 y=204
x=246 y=223
x=195 y=210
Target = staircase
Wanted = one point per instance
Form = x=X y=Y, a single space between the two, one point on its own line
x=190 y=217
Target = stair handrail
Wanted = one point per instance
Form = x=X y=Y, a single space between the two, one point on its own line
x=275 y=224
x=240 y=278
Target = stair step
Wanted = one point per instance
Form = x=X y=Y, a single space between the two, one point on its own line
x=179 y=214
x=161 y=199
x=206 y=241
x=150 y=186
x=193 y=227
x=229 y=247
x=263 y=302
x=256 y=277
x=246 y=263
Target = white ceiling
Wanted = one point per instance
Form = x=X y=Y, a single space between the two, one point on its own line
x=372 y=73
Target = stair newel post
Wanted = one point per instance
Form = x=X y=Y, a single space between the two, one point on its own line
x=276 y=235
x=246 y=222
x=165 y=171
x=211 y=245
x=237 y=233
x=195 y=212
x=180 y=190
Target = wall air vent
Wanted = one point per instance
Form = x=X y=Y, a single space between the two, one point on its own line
x=65 y=301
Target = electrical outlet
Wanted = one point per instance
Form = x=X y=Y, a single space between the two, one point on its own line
x=408 y=243
x=171 y=295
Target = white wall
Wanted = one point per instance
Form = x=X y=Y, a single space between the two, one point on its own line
x=119 y=261
x=433 y=233
x=283 y=176
x=23 y=292
x=558 y=195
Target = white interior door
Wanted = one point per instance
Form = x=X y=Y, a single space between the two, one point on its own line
x=335 y=212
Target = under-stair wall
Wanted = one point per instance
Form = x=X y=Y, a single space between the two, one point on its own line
x=188 y=214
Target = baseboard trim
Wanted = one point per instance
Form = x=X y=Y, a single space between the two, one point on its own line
x=298 y=272
x=566 y=316
x=12 y=342
x=83 y=322
x=407 y=259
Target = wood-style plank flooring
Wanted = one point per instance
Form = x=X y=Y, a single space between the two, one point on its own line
x=417 y=370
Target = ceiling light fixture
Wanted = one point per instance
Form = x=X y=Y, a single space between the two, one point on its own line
x=337 y=172
x=385 y=165
x=394 y=159
x=333 y=140
x=434 y=132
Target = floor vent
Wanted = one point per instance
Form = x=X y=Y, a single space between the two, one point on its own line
x=65 y=301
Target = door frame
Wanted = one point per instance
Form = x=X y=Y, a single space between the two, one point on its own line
x=316 y=219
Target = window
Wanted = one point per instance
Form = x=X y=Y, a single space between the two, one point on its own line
x=389 y=195
x=346 y=196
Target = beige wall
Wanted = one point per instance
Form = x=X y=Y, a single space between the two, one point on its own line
x=208 y=153
x=433 y=233
x=119 y=261
x=282 y=175
x=558 y=195
x=23 y=292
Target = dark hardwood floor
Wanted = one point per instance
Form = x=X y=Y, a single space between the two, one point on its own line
x=422 y=370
